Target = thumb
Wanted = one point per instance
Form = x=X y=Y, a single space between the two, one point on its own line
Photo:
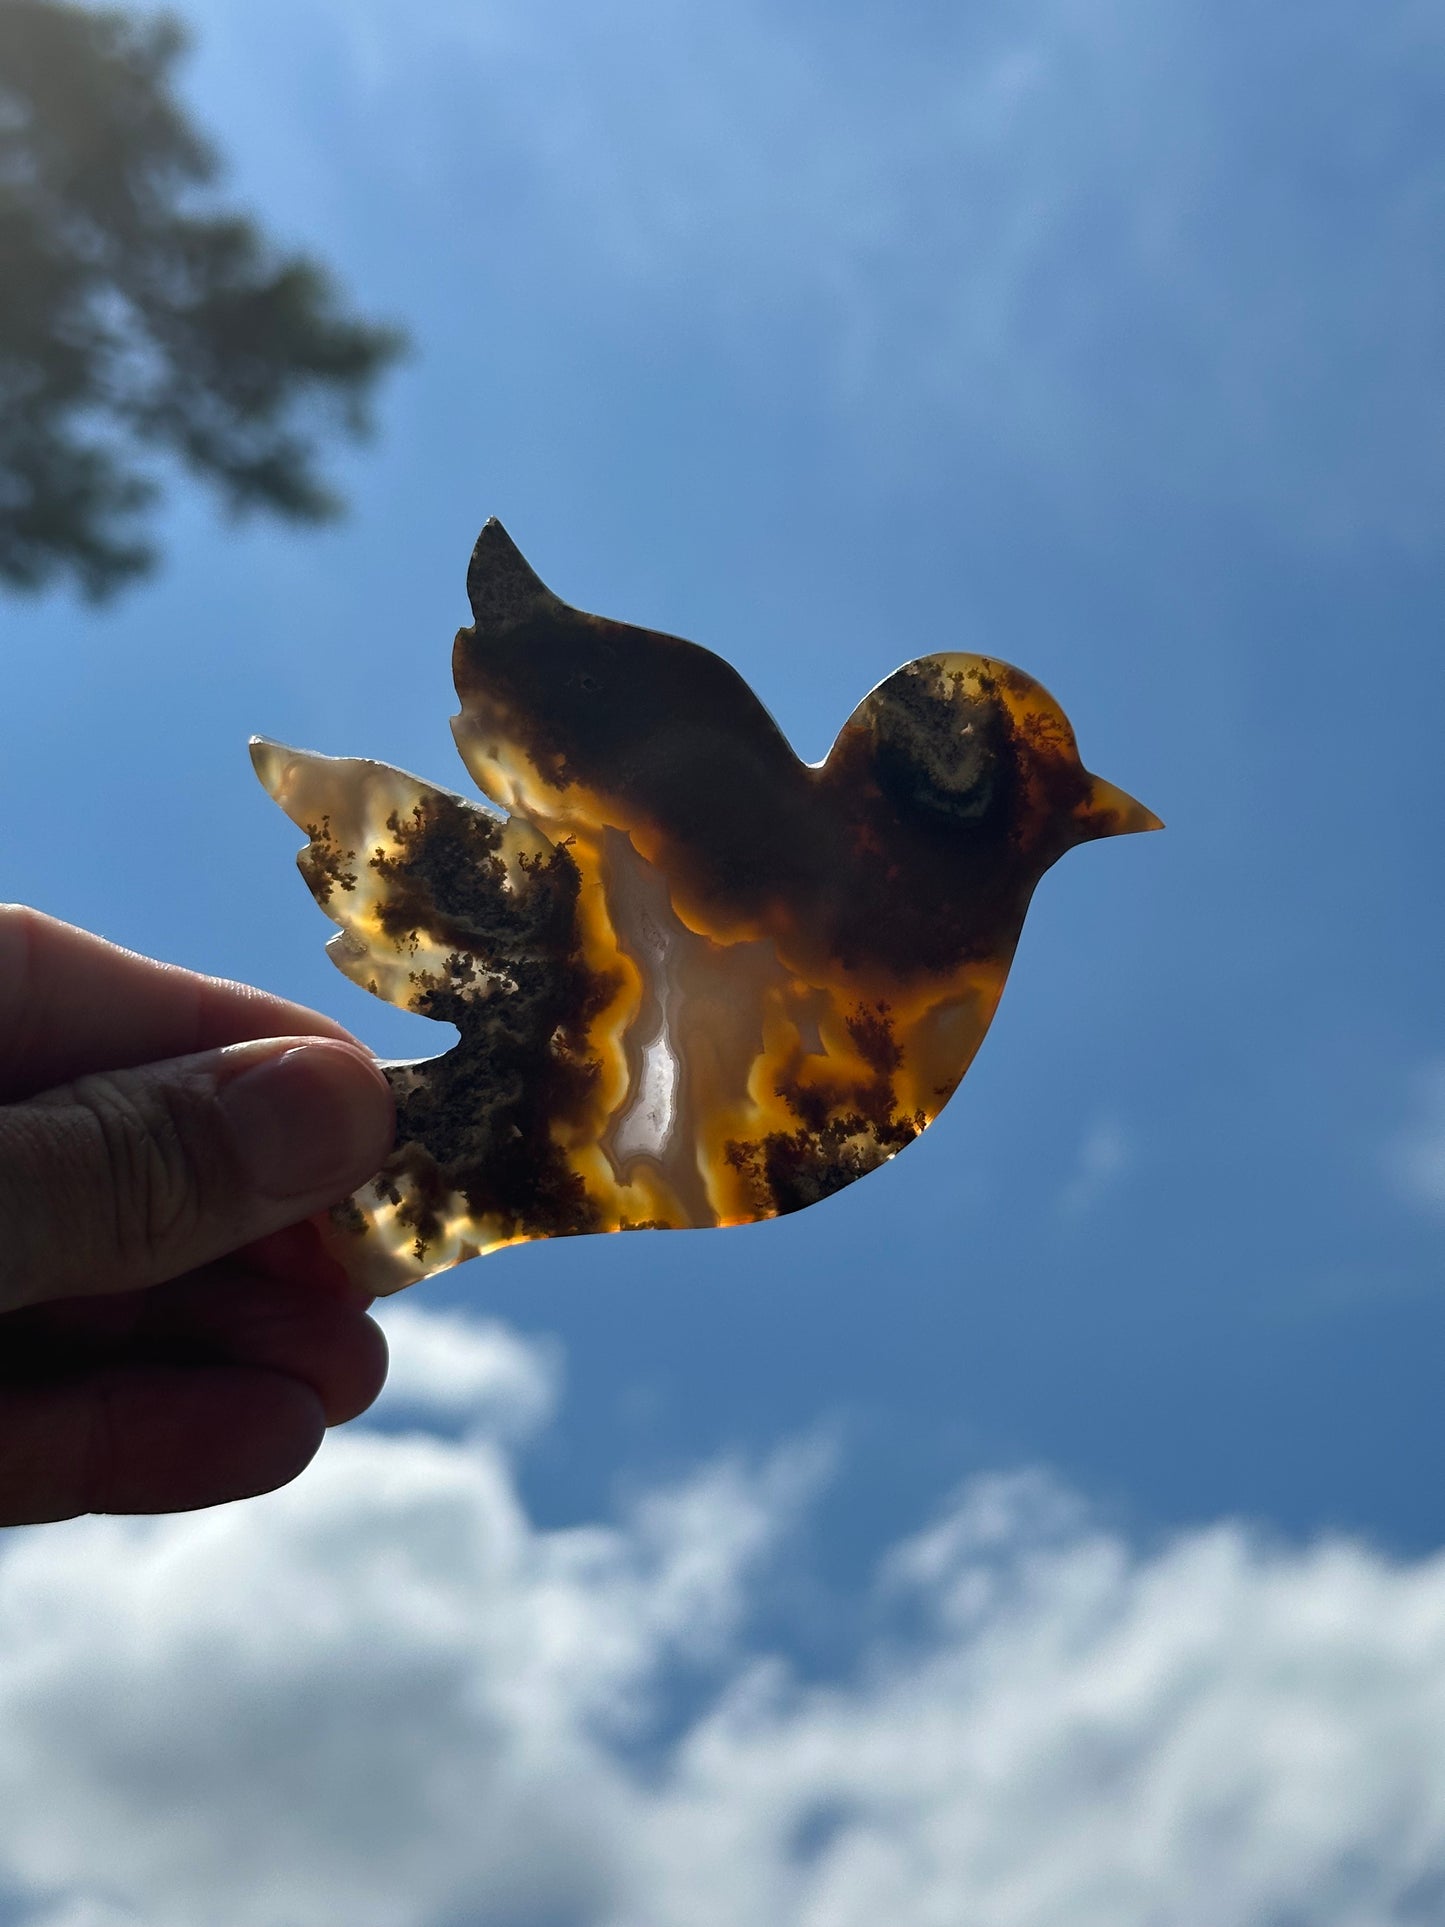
x=129 y=1178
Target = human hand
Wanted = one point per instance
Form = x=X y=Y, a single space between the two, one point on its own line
x=172 y=1333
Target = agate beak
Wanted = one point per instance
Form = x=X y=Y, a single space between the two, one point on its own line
x=1109 y=811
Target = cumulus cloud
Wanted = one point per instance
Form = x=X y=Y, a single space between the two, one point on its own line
x=447 y=1366
x=1219 y=1734
x=1415 y=1161
x=385 y=1696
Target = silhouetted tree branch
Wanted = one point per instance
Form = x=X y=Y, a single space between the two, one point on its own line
x=129 y=316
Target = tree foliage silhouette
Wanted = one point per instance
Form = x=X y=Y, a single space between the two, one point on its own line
x=137 y=317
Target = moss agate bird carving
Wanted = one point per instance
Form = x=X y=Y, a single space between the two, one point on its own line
x=695 y=980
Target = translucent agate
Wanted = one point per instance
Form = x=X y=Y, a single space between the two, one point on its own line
x=696 y=981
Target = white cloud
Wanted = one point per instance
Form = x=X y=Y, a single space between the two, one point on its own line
x=1415 y=1160
x=384 y=1696
x=446 y=1365
x=1219 y=1735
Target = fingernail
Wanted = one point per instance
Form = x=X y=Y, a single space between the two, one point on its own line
x=312 y=1119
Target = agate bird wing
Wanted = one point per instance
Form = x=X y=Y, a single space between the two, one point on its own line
x=584 y=724
x=455 y=913
x=414 y=875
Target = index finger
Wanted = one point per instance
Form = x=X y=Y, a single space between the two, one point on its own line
x=71 y=1003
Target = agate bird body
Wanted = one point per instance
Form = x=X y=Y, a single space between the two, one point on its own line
x=696 y=981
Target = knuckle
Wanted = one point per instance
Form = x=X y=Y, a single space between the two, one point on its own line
x=109 y=1183
x=151 y=1141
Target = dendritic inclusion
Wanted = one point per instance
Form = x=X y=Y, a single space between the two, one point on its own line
x=696 y=981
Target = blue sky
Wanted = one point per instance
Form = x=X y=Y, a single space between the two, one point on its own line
x=1107 y=338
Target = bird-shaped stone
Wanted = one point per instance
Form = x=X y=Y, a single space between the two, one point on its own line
x=697 y=981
